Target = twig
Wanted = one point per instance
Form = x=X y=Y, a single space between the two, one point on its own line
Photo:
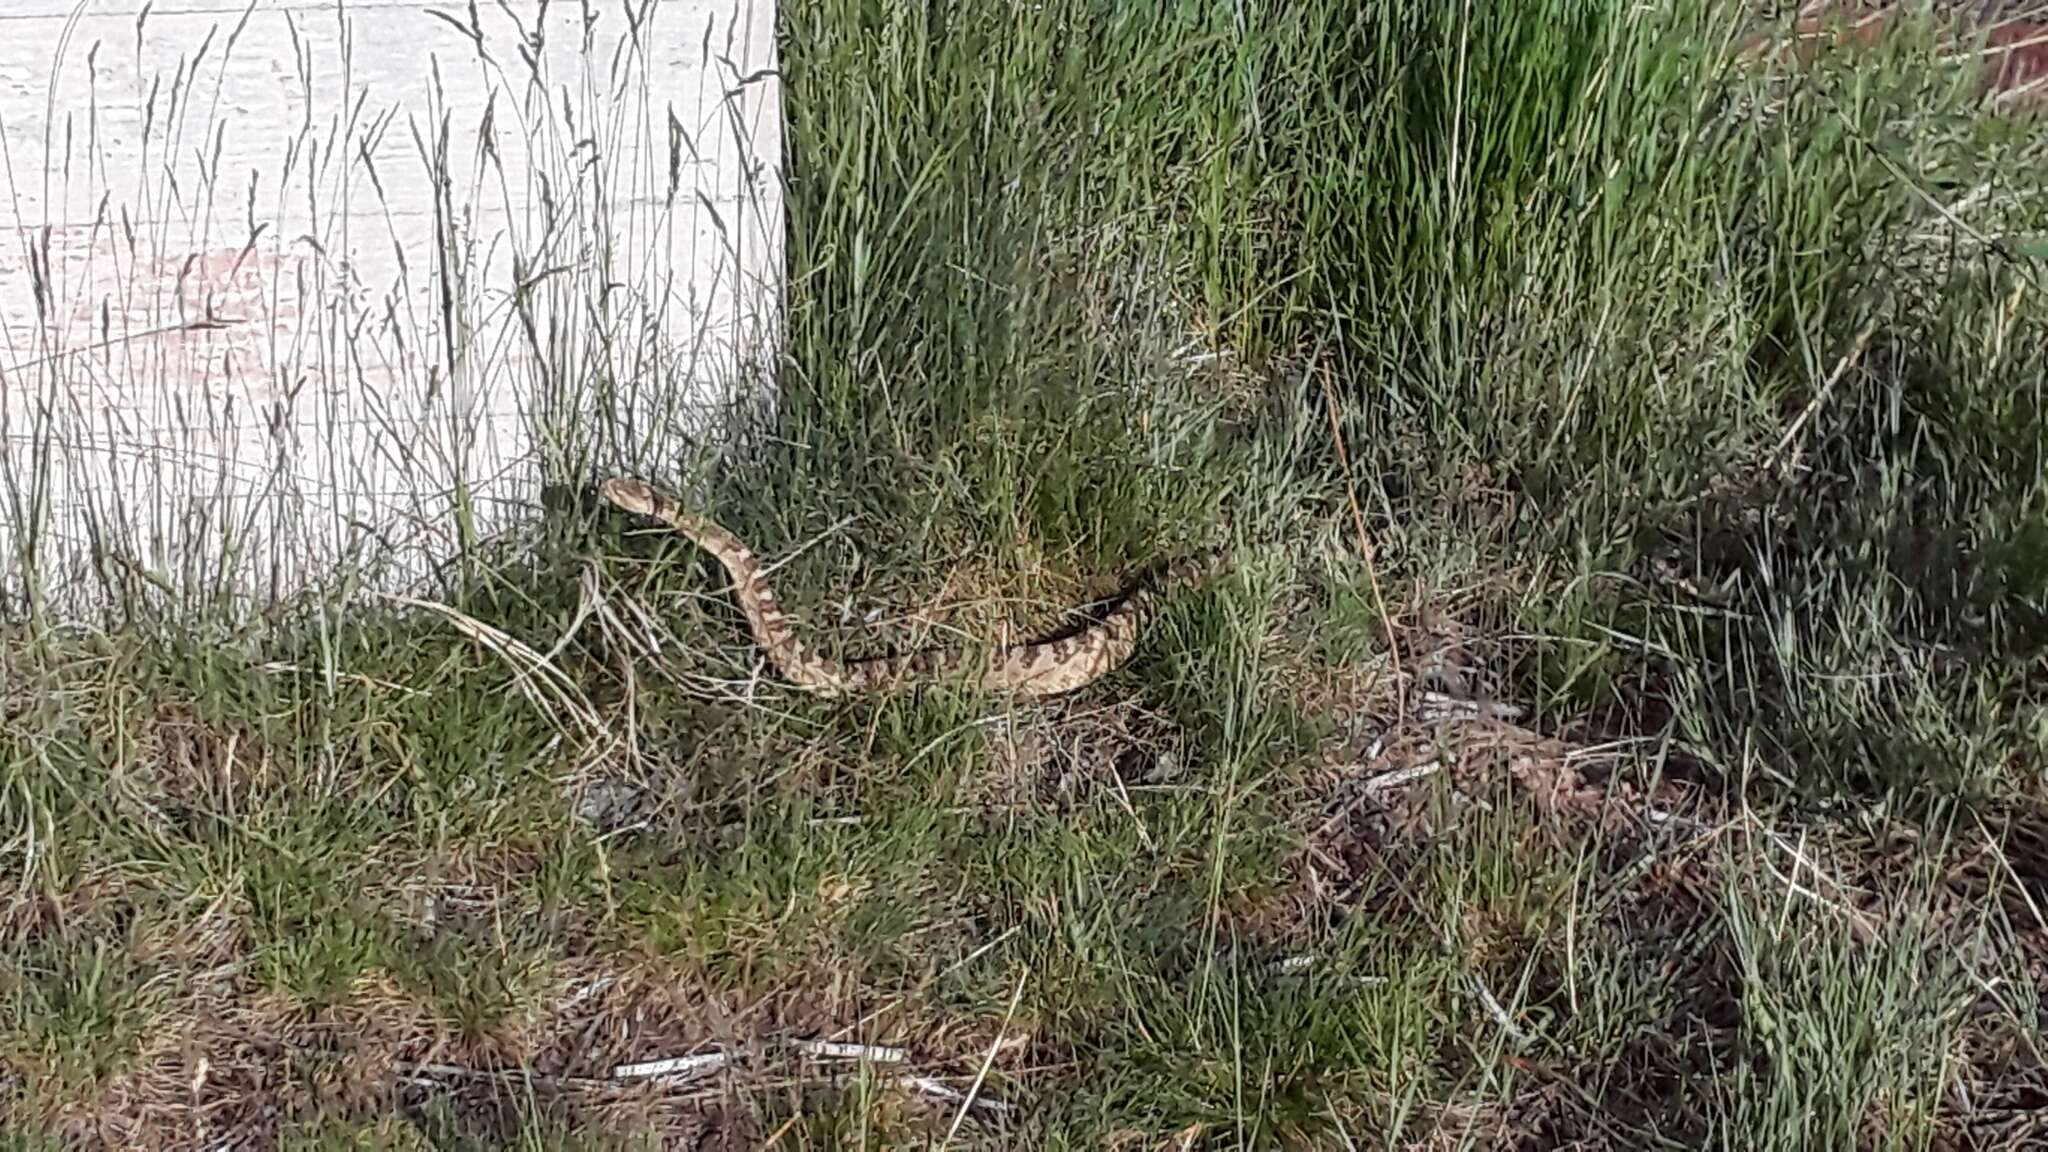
x=1514 y=1033
x=931 y=1087
x=671 y=1068
x=1387 y=781
x=841 y=1050
x=1384 y=782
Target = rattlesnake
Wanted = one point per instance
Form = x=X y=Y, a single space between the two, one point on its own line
x=1046 y=668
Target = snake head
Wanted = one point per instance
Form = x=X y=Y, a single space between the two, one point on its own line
x=632 y=495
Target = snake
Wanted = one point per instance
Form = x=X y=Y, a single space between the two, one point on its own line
x=1048 y=667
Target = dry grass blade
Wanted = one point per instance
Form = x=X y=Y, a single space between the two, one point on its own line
x=988 y=1061
x=536 y=677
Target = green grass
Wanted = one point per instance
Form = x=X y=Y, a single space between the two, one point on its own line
x=1076 y=287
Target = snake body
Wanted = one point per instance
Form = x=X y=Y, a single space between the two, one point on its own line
x=1046 y=668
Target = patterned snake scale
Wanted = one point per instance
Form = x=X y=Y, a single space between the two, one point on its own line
x=1048 y=668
